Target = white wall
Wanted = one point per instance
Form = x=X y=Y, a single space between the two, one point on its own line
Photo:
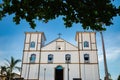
x=59 y=57
x=90 y=72
x=92 y=56
x=26 y=58
x=50 y=71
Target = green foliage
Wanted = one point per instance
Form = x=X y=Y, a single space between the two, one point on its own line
x=118 y=77
x=90 y=13
x=3 y=70
x=109 y=76
x=7 y=70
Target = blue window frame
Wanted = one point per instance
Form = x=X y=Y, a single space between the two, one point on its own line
x=68 y=58
x=32 y=44
x=50 y=58
x=86 y=44
x=32 y=58
x=59 y=67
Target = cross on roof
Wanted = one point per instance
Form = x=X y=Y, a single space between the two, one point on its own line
x=59 y=35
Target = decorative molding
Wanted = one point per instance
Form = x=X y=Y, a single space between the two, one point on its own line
x=59 y=50
x=60 y=63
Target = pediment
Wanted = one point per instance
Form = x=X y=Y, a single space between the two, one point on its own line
x=59 y=44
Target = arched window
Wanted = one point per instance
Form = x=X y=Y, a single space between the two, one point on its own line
x=86 y=58
x=32 y=44
x=50 y=58
x=86 y=44
x=59 y=67
x=32 y=58
x=68 y=58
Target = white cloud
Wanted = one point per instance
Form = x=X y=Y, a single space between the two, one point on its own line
x=111 y=54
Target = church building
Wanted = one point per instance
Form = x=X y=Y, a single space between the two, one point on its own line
x=59 y=59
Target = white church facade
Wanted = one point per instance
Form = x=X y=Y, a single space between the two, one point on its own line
x=59 y=59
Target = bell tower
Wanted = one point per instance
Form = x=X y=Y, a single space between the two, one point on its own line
x=88 y=57
x=33 y=43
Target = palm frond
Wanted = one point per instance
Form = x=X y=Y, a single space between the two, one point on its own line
x=11 y=65
x=18 y=68
x=17 y=61
x=8 y=62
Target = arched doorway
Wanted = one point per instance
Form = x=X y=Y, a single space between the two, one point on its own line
x=59 y=73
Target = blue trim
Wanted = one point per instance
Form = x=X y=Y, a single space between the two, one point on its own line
x=59 y=67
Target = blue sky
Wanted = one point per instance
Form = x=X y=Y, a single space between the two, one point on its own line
x=12 y=40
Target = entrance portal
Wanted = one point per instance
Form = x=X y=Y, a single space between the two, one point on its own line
x=59 y=73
